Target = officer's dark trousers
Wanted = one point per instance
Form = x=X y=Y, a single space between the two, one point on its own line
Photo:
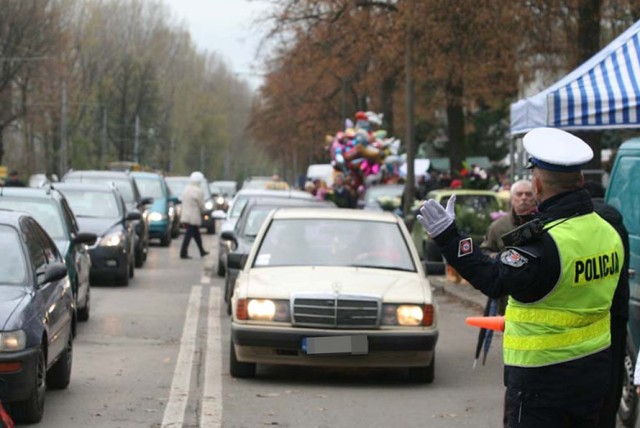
x=567 y=395
x=609 y=413
x=191 y=232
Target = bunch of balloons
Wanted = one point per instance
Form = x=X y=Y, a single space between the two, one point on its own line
x=365 y=152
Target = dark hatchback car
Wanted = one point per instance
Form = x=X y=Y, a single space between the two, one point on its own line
x=52 y=212
x=128 y=188
x=37 y=317
x=242 y=237
x=101 y=210
x=177 y=185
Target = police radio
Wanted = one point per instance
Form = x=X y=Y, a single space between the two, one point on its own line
x=529 y=231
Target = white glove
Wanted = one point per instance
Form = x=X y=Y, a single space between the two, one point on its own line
x=436 y=219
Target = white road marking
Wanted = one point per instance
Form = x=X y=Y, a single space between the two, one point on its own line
x=211 y=414
x=205 y=279
x=181 y=382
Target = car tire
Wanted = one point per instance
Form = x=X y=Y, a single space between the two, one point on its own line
x=84 y=312
x=59 y=375
x=424 y=374
x=166 y=239
x=132 y=270
x=123 y=278
x=238 y=369
x=31 y=410
x=628 y=410
x=221 y=269
x=139 y=257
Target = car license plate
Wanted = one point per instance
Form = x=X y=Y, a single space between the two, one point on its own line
x=354 y=345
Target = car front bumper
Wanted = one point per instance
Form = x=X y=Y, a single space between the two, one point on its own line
x=386 y=348
x=107 y=261
x=19 y=385
x=158 y=229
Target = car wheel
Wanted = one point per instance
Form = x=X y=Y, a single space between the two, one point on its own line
x=628 y=410
x=139 y=256
x=166 y=239
x=132 y=270
x=423 y=374
x=59 y=374
x=83 y=313
x=31 y=410
x=221 y=269
x=238 y=369
x=123 y=278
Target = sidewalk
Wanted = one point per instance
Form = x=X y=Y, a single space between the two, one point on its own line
x=459 y=290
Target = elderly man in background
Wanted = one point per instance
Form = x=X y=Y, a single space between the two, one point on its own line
x=191 y=216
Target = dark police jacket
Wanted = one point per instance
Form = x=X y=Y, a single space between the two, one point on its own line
x=573 y=380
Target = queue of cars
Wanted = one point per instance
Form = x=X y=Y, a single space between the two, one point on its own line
x=59 y=239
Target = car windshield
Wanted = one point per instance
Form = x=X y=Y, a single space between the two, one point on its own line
x=123 y=185
x=238 y=205
x=255 y=218
x=334 y=242
x=43 y=210
x=177 y=186
x=221 y=188
x=150 y=187
x=85 y=203
x=12 y=263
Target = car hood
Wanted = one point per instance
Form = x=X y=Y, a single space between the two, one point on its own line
x=11 y=298
x=99 y=226
x=392 y=286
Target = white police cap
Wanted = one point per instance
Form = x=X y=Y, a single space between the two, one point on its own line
x=556 y=150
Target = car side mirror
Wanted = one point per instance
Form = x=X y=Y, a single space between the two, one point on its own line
x=52 y=272
x=228 y=235
x=174 y=199
x=133 y=215
x=146 y=201
x=85 y=238
x=237 y=260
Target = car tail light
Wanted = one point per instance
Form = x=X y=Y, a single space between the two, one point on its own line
x=241 y=309
x=427 y=315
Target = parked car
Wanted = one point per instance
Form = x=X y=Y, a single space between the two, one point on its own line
x=235 y=209
x=152 y=185
x=246 y=229
x=100 y=209
x=132 y=198
x=382 y=197
x=37 y=317
x=622 y=193
x=51 y=210
x=332 y=287
x=177 y=185
x=473 y=215
x=223 y=192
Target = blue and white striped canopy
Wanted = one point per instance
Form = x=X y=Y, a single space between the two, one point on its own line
x=603 y=93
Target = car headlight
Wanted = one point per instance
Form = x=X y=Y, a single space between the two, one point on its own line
x=407 y=315
x=11 y=341
x=112 y=239
x=156 y=216
x=208 y=205
x=220 y=200
x=265 y=310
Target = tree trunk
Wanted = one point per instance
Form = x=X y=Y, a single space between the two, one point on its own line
x=386 y=103
x=455 y=123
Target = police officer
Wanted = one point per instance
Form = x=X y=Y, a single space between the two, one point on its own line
x=560 y=273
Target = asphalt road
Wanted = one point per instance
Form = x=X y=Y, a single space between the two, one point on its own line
x=155 y=354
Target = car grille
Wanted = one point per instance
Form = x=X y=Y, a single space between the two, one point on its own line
x=336 y=312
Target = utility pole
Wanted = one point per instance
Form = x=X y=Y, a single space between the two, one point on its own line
x=136 y=141
x=409 y=189
x=62 y=161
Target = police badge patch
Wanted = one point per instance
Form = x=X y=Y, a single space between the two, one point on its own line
x=465 y=247
x=513 y=258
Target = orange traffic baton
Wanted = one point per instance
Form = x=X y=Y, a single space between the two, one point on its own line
x=490 y=323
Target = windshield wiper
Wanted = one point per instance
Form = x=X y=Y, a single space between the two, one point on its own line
x=380 y=267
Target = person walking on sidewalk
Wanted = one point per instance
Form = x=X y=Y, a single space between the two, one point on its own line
x=560 y=271
x=192 y=208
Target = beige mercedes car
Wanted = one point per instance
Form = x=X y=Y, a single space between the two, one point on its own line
x=333 y=287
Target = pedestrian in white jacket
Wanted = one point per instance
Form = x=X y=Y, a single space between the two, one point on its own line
x=192 y=208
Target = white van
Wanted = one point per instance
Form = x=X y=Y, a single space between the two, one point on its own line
x=323 y=171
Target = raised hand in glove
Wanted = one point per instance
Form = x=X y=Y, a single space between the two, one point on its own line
x=436 y=219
